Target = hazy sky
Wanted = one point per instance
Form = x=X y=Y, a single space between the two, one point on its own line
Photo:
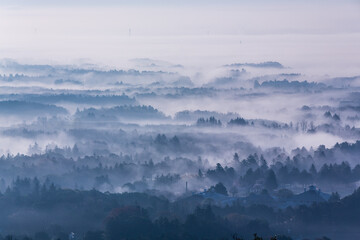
x=109 y=32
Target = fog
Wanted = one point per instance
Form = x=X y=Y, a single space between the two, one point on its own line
x=179 y=120
x=326 y=41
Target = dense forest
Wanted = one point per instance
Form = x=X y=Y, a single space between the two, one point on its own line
x=103 y=154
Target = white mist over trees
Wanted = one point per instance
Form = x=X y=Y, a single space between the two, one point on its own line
x=179 y=120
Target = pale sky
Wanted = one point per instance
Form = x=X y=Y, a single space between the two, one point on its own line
x=296 y=32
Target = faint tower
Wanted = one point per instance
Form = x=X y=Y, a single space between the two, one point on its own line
x=186 y=187
x=129 y=32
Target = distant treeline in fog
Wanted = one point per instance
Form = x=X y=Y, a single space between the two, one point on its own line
x=159 y=152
